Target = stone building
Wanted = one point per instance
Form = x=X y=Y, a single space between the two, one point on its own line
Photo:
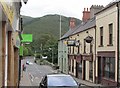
x=9 y=42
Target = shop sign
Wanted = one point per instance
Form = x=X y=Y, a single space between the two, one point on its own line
x=71 y=42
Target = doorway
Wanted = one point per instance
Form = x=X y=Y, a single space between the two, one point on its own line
x=99 y=70
x=84 y=66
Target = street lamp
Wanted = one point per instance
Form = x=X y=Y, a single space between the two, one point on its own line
x=52 y=54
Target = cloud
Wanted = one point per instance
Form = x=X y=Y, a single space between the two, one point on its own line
x=74 y=8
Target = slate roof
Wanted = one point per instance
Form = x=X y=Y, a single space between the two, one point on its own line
x=69 y=32
x=82 y=27
x=88 y=24
x=85 y=26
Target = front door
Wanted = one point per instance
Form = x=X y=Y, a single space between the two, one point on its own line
x=84 y=70
x=77 y=67
x=99 y=70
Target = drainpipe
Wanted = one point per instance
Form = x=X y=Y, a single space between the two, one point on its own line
x=95 y=58
x=118 y=44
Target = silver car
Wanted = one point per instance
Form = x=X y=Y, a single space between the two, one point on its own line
x=58 y=81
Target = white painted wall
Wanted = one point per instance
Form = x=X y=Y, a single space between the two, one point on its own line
x=103 y=19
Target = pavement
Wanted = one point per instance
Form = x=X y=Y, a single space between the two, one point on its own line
x=25 y=79
x=87 y=83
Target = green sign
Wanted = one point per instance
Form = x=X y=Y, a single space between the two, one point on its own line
x=26 y=38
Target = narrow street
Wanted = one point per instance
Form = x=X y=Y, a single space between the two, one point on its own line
x=36 y=72
x=80 y=41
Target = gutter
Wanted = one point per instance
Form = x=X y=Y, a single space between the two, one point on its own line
x=118 y=44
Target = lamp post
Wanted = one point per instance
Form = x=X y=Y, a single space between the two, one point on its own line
x=52 y=54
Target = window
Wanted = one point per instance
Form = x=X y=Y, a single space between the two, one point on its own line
x=68 y=49
x=78 y=47
x=84 y=46
x=73 y=50
x=72 y=66
x=101 y=36
x=109 y=67
x=78 y=50
x=80 y=66
x=110 y=34
x=91 y=47
x=90 y=70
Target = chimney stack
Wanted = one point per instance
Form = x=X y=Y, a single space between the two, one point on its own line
x=72 y=23
x=86 y=15
x=94 y=9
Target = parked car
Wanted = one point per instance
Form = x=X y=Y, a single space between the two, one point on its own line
x=58 y=81
x=29 y=63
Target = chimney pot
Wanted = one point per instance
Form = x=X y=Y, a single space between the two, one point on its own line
x=84 y=9
x=72 y=23
x=86 y=15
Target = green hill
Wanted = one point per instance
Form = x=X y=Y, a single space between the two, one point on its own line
x=26 y=20
x=49 y=24
x=45 y=32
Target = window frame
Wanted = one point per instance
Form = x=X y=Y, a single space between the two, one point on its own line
x=108 y=70
x=110 y=34
x=84 y=46
x=101 y=36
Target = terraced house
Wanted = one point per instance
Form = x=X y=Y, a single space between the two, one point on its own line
x=107 y=40
x=93 y=46
x=10 y=27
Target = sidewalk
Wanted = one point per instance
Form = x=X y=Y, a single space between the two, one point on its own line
x=87 y=83
x=25 y=79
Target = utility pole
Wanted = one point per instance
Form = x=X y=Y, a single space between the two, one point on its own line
x=60 y=26
x=52 y=54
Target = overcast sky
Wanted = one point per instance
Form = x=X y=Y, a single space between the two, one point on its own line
x=69 y=8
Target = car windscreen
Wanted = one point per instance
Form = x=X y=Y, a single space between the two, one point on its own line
x=61 y=81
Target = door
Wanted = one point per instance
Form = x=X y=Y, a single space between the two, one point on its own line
x=84 y=66
x=99 y=70
x=77 y=67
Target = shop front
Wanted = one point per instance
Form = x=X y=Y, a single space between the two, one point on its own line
x=87 y=67
x=106 y=68
x=79 y=66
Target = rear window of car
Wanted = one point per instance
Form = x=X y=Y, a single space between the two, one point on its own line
x=61 y=81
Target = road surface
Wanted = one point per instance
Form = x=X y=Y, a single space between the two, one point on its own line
x=35 y=71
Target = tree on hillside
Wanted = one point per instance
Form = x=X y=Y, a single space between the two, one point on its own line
x=42 y=46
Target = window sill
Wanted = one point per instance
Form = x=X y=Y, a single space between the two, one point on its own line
x=108 y=79
x=110 y=45
x=100 y=46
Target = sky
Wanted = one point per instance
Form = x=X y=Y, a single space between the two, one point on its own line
x=68 y=8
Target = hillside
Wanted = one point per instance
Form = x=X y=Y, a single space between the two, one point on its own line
x=45 y=32
x=49 y=24
x=27 y=19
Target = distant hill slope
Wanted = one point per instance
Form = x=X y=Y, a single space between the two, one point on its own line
x=49 y=24
x=27 y=19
